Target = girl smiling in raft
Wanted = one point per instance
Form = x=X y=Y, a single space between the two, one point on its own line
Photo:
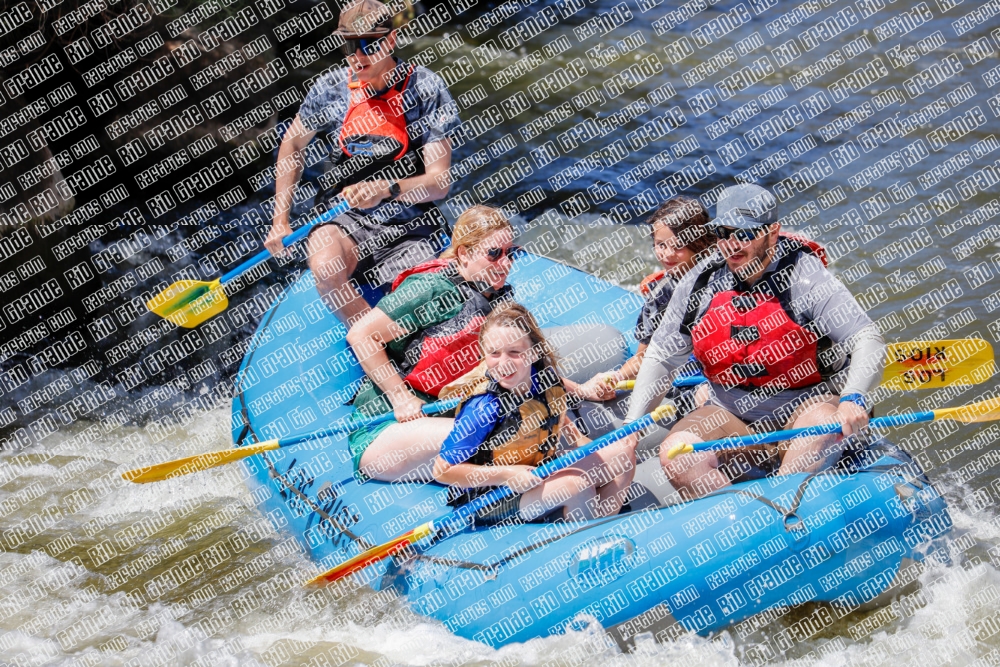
x=423 y=335
x=681 y=239
x=511 y=423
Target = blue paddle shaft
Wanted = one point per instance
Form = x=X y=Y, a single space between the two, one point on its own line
x=823 y=429
x=354 y=425
x=690 y=380
x=297 y=235
x=461 y=515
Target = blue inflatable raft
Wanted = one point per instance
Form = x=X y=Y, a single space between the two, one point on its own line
x=847 y=537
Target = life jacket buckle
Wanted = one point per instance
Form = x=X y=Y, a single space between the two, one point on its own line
x=743 y=303
x=749 y=371
x=745 y=335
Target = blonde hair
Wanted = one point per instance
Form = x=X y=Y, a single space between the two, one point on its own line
x=473 y=226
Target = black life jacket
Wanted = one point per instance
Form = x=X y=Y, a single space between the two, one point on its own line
x=657 y=288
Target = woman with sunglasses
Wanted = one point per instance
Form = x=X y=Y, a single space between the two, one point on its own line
x=782 y=342
x=422 y=336
x=388 y=124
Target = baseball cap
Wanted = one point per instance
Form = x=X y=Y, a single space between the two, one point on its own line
x=367 y=18
x=745 y=206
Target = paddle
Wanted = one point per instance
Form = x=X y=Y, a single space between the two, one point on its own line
x=983 y=411
x=929 y=364
x=457 y=519
x=190 y=464
x=188 y=303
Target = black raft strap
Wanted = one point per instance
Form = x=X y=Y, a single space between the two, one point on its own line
x=694 y=299
x=745 y=335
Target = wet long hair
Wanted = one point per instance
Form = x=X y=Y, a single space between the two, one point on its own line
x=688 y=219
x=474 y=226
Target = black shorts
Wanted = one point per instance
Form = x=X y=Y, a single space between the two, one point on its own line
x=507 y=510
x=385 y=250
x=743 y=465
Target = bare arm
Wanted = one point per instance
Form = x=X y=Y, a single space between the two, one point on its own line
x=432 y=185
x=471 y=476
x=368 y=338
x=519 y=478
x=289 y=169
x=601 y=387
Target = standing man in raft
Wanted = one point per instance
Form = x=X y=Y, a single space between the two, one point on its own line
x=388 y=125
x=770 y=326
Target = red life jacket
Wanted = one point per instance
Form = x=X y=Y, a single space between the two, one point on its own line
x=430 y=266
x=373 y=141
x=376 y=123
x=748 y=337
x=649 y=282
x=445 y=352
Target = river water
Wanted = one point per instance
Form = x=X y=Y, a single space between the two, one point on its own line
x=95 y=571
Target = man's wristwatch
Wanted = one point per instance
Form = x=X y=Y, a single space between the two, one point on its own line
x=394 y=190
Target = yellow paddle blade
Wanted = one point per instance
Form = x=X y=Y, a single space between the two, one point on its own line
x=373 y=555
x=625 y=385
x=188 y=303
x=937 y=363
x=983 y=411
x=196 y=463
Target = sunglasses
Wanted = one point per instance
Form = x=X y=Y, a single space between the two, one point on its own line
x=368 y=45
x=496 y=254
x=740 y=234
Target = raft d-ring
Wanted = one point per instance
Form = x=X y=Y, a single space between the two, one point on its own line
x=793 y=522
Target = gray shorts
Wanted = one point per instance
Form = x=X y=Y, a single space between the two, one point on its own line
x=386 y=249
x=765 y=412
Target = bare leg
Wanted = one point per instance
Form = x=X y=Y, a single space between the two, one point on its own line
x=610 y=470
x=333 y=260
x=817 y=452
x=693 y=475
x=567 y=488
x=697 y=474
x=406 y=452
